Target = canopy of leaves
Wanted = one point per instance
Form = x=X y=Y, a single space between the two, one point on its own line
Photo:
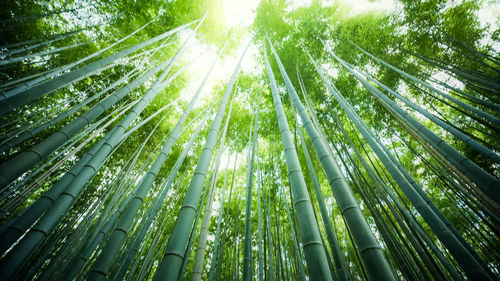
x=441 y=42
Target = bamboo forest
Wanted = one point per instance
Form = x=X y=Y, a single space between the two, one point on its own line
x=247 y=140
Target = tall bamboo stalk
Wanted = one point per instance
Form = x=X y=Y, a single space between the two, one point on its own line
x=467 y=261
x=309 y=232
x=472 y=110
x=174 y=253
x=202 y=238
x=247 y=260
x=14 y=98
x=14 y=260
x=371 y=254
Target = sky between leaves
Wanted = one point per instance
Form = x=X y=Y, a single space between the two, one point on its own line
x=240 y=15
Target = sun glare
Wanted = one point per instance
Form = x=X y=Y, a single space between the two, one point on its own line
x=241 y=14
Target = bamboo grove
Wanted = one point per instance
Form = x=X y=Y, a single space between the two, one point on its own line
x=358 y=147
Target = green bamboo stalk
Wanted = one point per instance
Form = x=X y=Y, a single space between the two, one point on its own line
x=308 y=228
x=292 y=228
x=209 y=182
x=215 y=252
x=247 y=260
x=43 y=53
x=486 y=116
x=174 y=253
x=29 y=158
x=20 y=138
x=462 y=72
x=202 y=238
x=215 y=266
x=269 y=225
x=166 y=187
x=383 y=189
x=372 y=256
x=103 y=263
x=486 y=182
x=466 y=95
x=260 y=239
x=468 y=140
x=20 y=224
x=338 y=256
x=14 y=99
x=32 y=41
x=468 y=263
x=14 y=260
x=48 y=40
x=54 y=72
x=77 y=264
x=38 y=16
x=396 y=248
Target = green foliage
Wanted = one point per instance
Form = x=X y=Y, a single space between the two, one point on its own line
x=438 y=32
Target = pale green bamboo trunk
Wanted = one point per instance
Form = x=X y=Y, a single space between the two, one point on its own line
x=174 y=254
x=202 y=239
x=15 y=98
x=368 y=247
x=14 y=260
x=313 y=247
x=29 y=158
x=247 y=251
x=469 y=264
